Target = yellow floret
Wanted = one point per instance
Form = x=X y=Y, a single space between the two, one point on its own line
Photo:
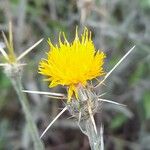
x=72 y=64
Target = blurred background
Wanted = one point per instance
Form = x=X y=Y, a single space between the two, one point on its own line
x=116 y=26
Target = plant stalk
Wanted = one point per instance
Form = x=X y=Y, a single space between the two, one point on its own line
x=38 y=145
x=95 y=139
x=87 y=106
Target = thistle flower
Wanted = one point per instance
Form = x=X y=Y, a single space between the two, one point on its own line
x=11 y=62
x=72 y=64
x=12 y=68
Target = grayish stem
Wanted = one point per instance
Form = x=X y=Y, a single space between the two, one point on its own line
x=38 y=145
x=95 y=140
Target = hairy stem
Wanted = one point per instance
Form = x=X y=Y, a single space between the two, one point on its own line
x=95 y=139
x=38 y=145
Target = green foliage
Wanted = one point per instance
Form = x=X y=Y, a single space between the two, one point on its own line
x=142 y=71
x=145 y=4
x=137 y=74
x=146 y=104
x=112 y=62
x=15 y=2
x=34 y=10
x=4 y=86
x=118 y=121
x=5 y=82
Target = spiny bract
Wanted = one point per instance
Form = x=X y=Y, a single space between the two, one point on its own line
x=72 y=64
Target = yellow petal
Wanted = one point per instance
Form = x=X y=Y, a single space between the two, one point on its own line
x=53 y=84
x=70 y=93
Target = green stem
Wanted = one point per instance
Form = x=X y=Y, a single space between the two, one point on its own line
x=38 y=145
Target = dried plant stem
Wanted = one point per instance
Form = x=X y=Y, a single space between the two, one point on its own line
x=38 y=145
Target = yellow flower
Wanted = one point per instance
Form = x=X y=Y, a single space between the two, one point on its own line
x=72 y=64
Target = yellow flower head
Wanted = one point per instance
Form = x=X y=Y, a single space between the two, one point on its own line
x=72 y=64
